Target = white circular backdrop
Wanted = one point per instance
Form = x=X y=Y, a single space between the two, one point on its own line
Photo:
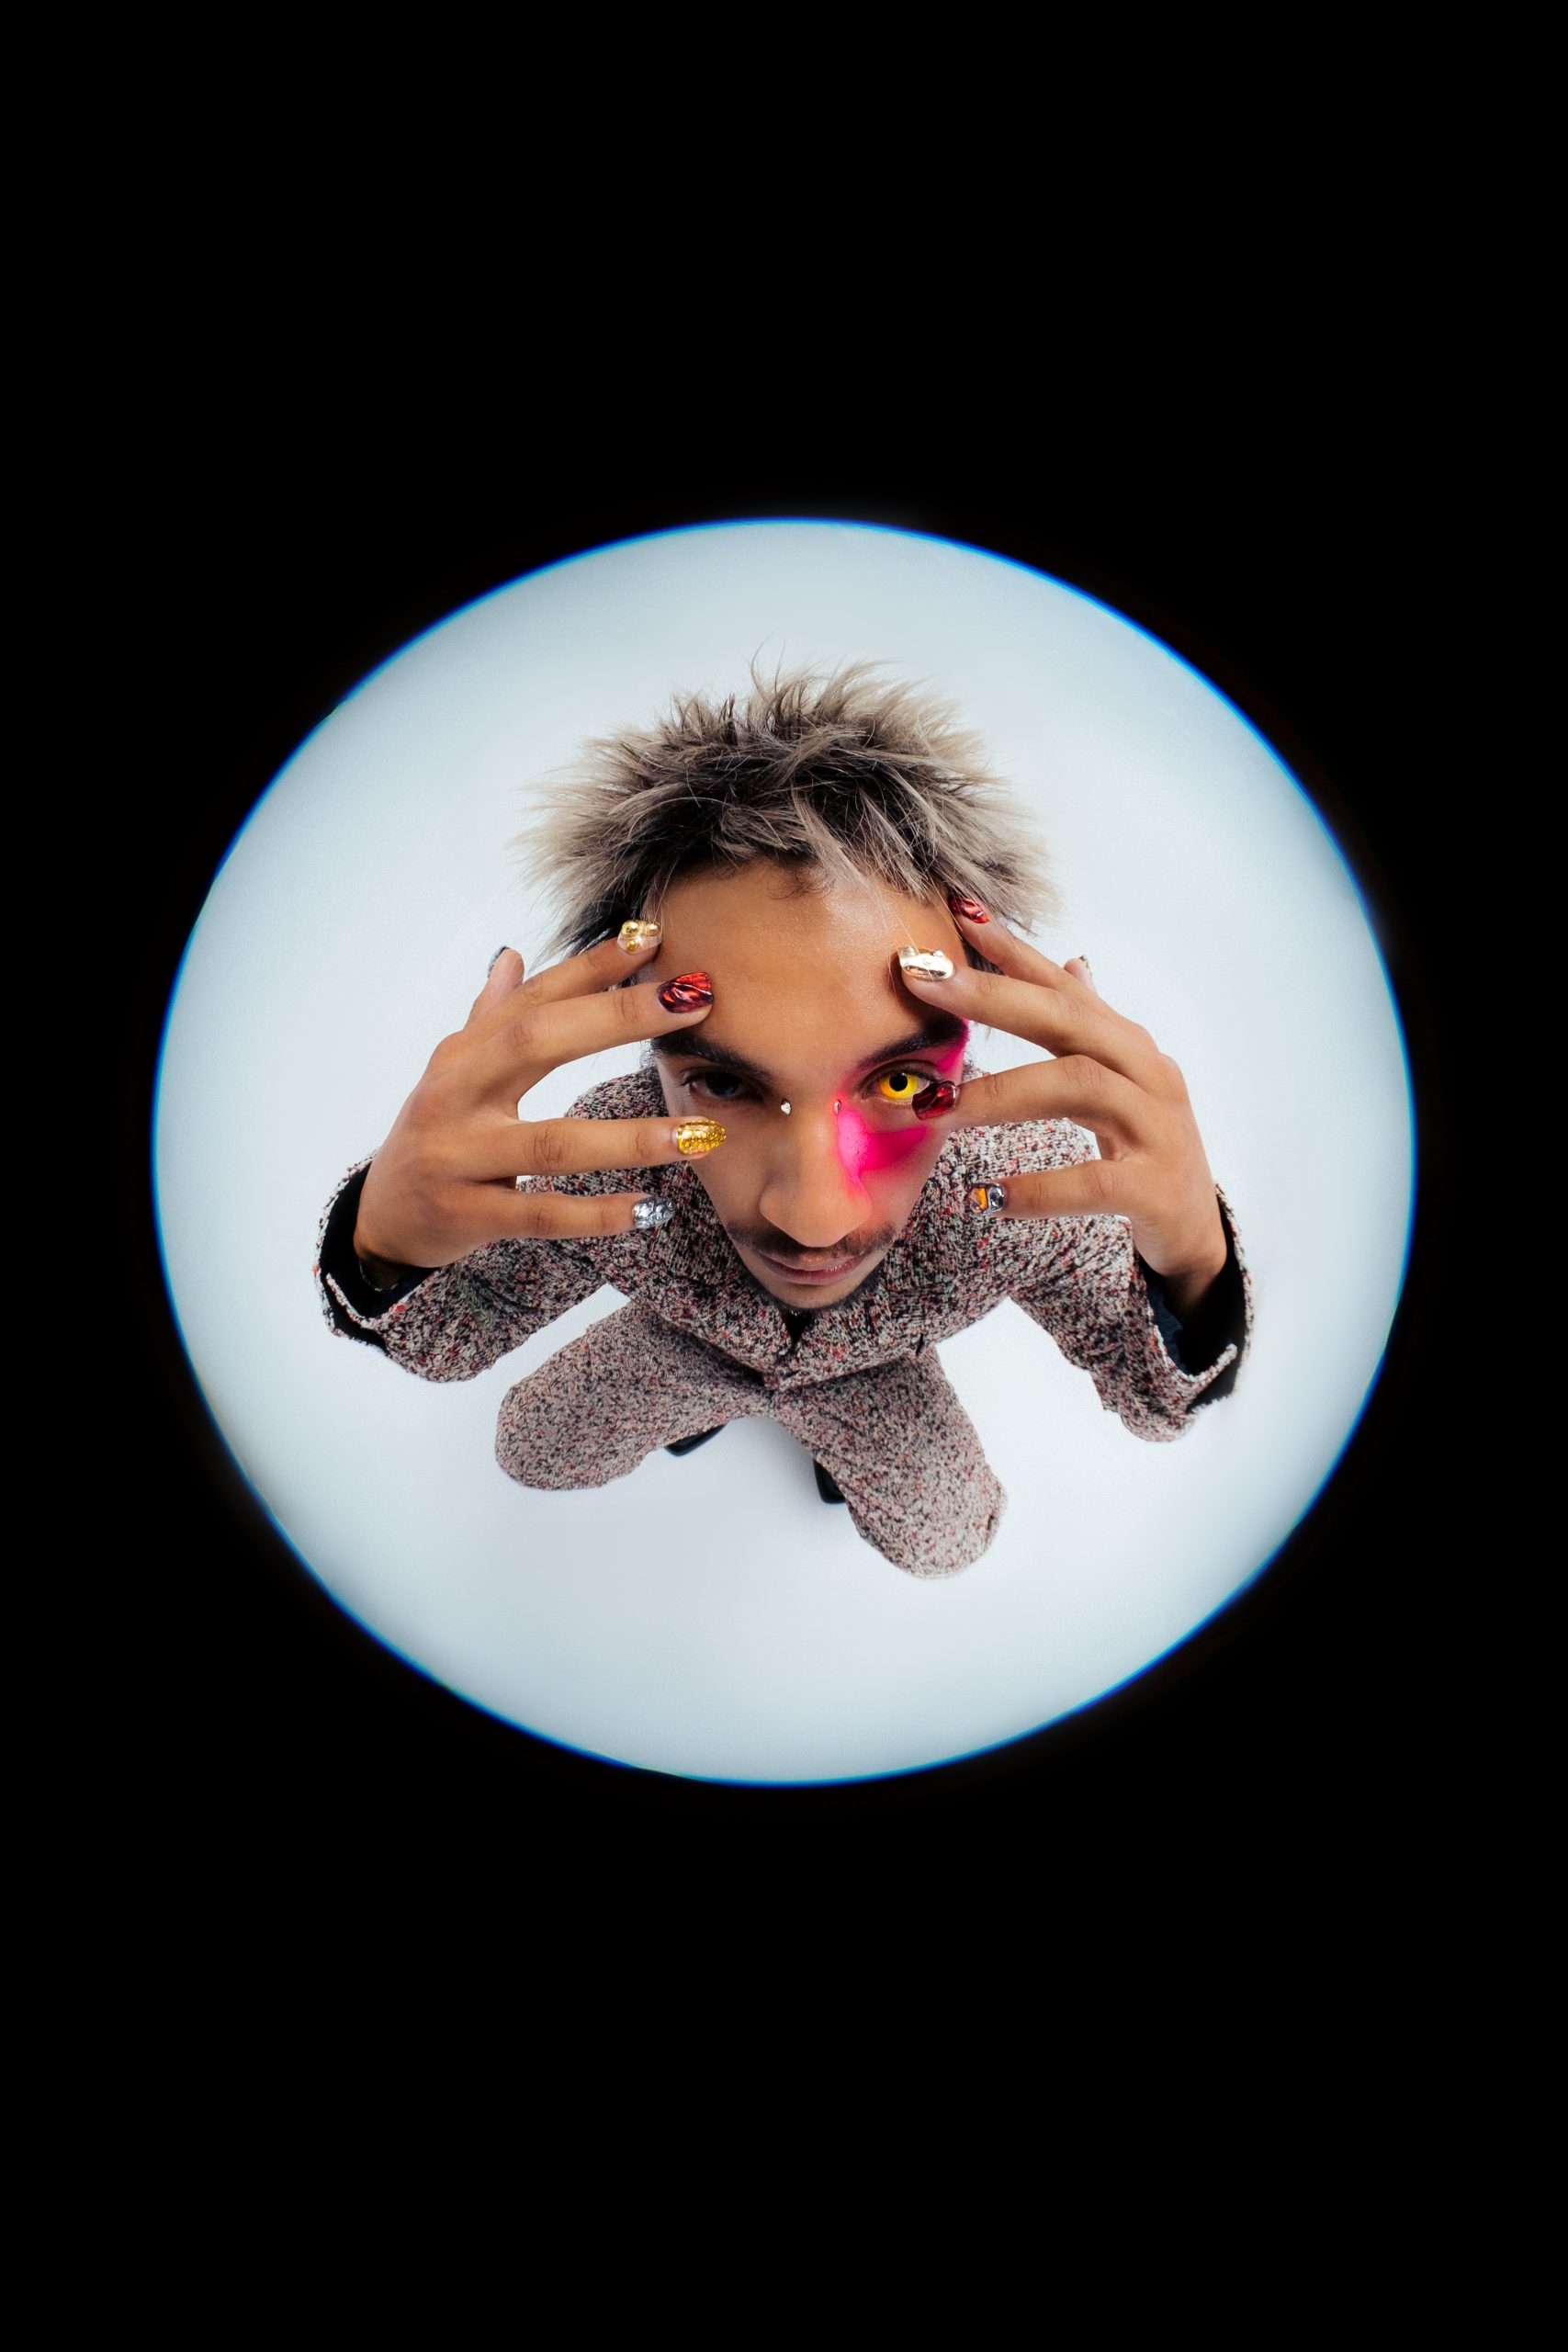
x=708 y=1616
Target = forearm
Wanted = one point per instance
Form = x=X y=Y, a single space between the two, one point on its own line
x=1113 y=1318
x=449 y=1322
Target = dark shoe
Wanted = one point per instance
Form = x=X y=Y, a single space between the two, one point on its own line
x=825 y=1485
x=690 y=1444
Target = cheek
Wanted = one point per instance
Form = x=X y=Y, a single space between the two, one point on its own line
x=868 y=1154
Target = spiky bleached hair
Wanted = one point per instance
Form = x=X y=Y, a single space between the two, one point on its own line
x=835 y=774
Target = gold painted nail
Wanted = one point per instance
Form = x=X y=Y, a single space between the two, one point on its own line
x=926 y=963
x=634 y=936
x=693 y=1136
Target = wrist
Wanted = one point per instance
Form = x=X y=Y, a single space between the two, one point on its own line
x=1185 y=1293
x=381 y=1273
x=1187 y=1286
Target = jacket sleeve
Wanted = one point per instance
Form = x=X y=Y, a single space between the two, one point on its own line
x=449 y=1322
x=1108 y=1313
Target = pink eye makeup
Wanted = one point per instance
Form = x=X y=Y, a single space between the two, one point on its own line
x=906 y=1090
x=895 y=1101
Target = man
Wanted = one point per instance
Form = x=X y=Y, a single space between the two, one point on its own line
x=800 y=904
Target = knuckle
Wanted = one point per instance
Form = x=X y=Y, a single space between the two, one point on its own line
x=549 y=1150
x=448 y=1054
x=548 y=1214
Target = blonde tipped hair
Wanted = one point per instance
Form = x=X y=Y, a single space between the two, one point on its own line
x=835 y=774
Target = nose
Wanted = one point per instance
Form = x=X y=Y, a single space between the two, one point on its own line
x=809 y=1192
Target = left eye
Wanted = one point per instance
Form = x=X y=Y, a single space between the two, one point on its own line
x=900 y=1085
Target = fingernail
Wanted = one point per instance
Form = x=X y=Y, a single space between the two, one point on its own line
x=687 y=994
x=648 y=1216
x=494 y=961
x=987 y=1198
x=926 y=963
x=1089 y=969
x=636 y=935
x=970 y=909
x=693 y=1136
x=933 y=1102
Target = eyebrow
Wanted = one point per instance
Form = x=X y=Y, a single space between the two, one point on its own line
x=943 y=1029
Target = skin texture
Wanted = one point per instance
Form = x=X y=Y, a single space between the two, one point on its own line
x=807 y=990
x=1108 y=1075
x=444 y=1180
x=807 y=987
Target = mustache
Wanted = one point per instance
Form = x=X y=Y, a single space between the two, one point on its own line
x=779 y=1246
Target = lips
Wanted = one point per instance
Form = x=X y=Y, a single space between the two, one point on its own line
x=808 y=1275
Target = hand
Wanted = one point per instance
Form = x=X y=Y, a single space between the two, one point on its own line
x=1109 y=1077
x=444 y=1180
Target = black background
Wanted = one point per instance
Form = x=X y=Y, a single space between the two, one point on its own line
x=294 y=530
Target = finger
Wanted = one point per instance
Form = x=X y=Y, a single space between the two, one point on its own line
x=1075 y=1087
x=1092 y=1188
x=596 y=969
x=1015 y=955
x=529 y=1038
x=572 y=1147
x=562 y=1216
x=505 y=974
x=1005 y=948
x=1030 y=997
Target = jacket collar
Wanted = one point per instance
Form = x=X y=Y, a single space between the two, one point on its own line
x=694 y=1253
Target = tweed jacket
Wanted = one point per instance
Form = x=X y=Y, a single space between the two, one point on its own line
x=1079 y=1278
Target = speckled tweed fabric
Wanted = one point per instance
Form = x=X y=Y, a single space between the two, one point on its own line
x=699 y=1344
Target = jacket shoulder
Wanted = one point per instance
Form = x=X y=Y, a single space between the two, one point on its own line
x=638 y=1095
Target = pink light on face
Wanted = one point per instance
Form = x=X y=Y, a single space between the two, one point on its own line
x=866 y=1150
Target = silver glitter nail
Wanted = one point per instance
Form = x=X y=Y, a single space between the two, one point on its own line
x=648 y=1216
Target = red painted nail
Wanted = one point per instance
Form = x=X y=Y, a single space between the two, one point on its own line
x=970 y=909
x=933 y=1102
x=688 y=994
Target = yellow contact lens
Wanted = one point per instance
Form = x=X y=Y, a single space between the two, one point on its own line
x=900 y=1085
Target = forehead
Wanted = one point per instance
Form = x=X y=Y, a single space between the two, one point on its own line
x=801 y=972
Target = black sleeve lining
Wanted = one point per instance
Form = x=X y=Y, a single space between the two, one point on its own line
x=1220 y=1322
x=338 y=1260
